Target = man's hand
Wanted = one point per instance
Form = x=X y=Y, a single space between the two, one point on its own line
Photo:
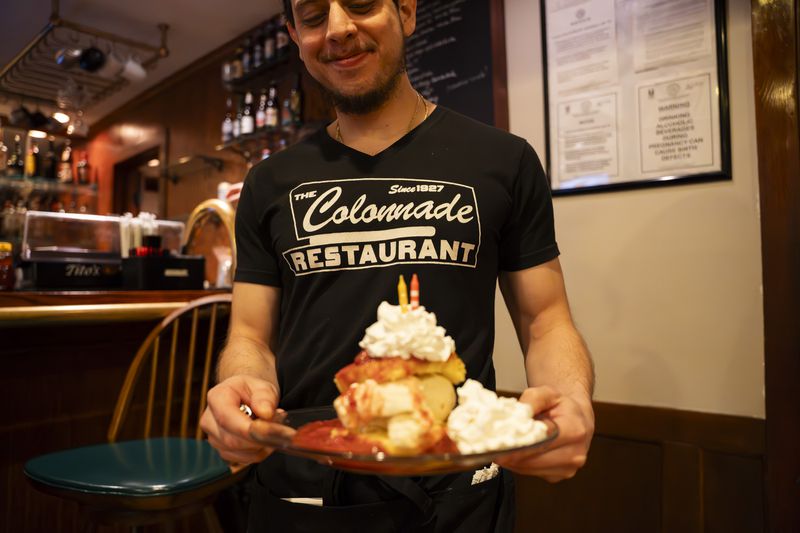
x=564 y=456
x=228 y=429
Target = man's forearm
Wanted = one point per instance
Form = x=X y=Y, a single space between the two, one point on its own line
x=560 y=358
x=244 y=356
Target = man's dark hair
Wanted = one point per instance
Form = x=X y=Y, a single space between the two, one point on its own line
x=287 y=9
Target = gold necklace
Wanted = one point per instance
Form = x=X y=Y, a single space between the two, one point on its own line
x=410 y=124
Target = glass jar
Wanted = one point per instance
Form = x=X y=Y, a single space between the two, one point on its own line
x=6 y=267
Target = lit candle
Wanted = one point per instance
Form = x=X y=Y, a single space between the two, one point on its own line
x=402 y=294
x=414 y=292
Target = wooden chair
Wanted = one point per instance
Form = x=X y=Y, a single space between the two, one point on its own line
x=171 y=470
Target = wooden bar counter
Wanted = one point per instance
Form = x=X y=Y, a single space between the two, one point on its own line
x=64 y=356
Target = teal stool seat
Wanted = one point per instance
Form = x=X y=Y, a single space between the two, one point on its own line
x=150 y=467
x=160 y=479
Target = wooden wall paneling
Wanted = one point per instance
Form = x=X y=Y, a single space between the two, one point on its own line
x=682 y=488
x=733 y=494
x=653 y=469
x=775 y=58
x=618 y=490
x=732 y=434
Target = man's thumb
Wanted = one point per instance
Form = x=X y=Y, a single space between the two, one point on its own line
x=540 y=398
x=262 y=401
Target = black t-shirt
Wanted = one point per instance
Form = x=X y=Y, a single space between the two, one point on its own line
x=454 y=201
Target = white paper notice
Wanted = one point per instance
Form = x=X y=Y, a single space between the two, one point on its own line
x=587 y=141
x=667 y=32
x=581 y=44
x=675 y=125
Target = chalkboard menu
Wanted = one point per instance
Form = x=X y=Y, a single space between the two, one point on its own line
x=449 y=57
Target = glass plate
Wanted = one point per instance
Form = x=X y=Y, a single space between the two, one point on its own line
x=381 y=463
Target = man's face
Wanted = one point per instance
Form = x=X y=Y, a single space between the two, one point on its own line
x=354 y=48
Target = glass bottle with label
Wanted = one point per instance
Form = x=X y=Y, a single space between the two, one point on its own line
x=65 y=165
x=49 y=162
x=272 y=107
x=32 y=161
x=296 y=101
x=286 y=113
x=281 y=38
x=6 y=267
x=236 y=64
x=16 y=162
x=83 y=169
x=237 y=120
x=269 y=42
x=248 y=118
x=257 y=56
x=261 y=112
x=20 y=151
x=247 y=51
x=227 y=122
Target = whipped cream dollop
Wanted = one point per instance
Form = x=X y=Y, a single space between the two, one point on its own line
x=398 y=334
x=483 y=422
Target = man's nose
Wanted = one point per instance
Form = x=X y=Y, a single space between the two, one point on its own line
x=340 y=25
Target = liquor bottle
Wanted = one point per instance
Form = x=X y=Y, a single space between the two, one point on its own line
x=257 y=56
x=236 y=64
x=32 y=161
x=269 y=42
x=13 y=156
x=296 y=102
x=7 y=273
x=65 y=165
x=227 y=71
x=247 y=51
x=227 y=122
x=17 y=166
x=261 y=112
x=272 y=107
x=248 y=118
x=237 y=121
x=83 y=169
x=3 y=158
x=50 y=162
x=286 y=113
x=281 y=38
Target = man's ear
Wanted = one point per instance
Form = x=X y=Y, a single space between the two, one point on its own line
x=293 y=36
x=408 y=16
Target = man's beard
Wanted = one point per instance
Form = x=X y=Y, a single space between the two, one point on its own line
x=364 y=103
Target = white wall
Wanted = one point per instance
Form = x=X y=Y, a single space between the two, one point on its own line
x=664 y=283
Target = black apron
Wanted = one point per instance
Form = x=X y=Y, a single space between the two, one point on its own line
x=360 y=503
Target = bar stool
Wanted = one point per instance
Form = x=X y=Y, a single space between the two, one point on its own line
x=156 y=478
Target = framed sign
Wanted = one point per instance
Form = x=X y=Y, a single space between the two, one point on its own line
x=636 y=93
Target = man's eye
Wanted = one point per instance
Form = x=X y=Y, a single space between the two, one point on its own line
x=361 y=7
x=313 y=20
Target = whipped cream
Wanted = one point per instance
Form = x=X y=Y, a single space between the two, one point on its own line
x=413 y=333
x=483 y=422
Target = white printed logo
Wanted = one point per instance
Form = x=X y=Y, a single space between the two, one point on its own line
x=376 y=222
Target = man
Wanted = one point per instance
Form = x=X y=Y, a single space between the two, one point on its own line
x=319 y=248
